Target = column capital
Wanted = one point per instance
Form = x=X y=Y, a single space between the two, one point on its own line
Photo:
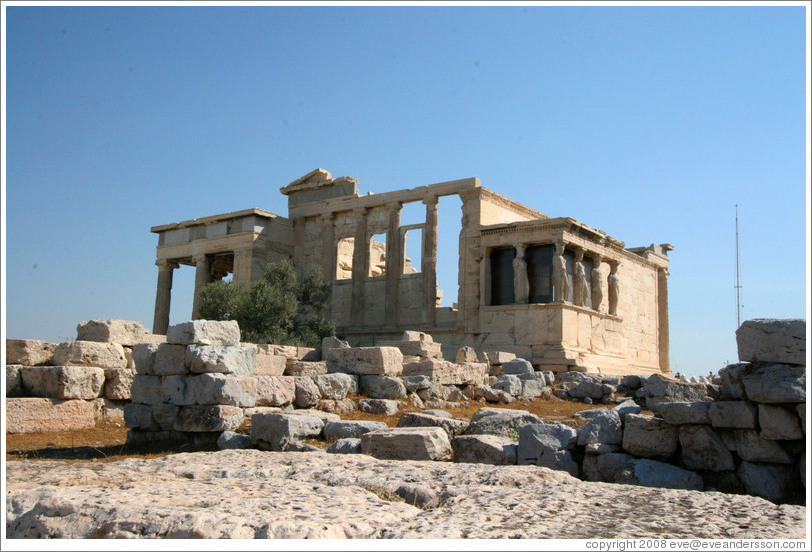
x=597 y=258
x=328 y=217
x=199 y=258
x=360 y=210
x=579 y=253
x=167 y=264
x=430 y=200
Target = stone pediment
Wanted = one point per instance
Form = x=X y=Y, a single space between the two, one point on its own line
x=314 y=180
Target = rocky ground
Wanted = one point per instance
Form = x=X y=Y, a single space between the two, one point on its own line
x=255 y=494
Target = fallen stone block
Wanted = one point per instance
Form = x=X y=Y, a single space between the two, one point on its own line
x=517 y=366
x=444 y=372
x=106 y=411
x=442 y=393
x=752 y=448
x=498 y=421
x=703 y=449
x=626 y=470
x=495 y=395
x=89 y=353
x=29 y=352
x=269 y=365
x=302 y=368
x=349 y=445
x=147 y=390
x=422 y=349
x=382 y=387
x=679 y=413
x=221 y=359
x=385 y=407
x=587 y=389
x=230 y=440
x=466 y=354
x=730 y=382
x=341 y=406
x=307 y=392
x=532 y=388
x=560 y=460
x=165 y=415
x=118 y=384
x=779 y=423
x=208 y=418
x=775 y=383
x=770 y=340
x=63 y=382
x=407 y=443
x=496 y=358
x=382 y=361
x=773 y=482
x=350 y=428
x=123 y=332
x=320 y=414
x=536 y=439
x=139 y=416
x=659 y=389
x=649 y=437
x=14 y=381
x=604 y=427
x=336 y=386
x=510 y=384
x=631 y=382
x=452 y=426
x=269 y=390
x=277 y=431
x=733 y=414
x=38 y=415
x=484 y=449
x=205 y=332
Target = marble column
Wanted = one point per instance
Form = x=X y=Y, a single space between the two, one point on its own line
x=360 y=266
x=163 y=296
x=202 y=278
x=521 y=286
x=242 y=266
x=662 y=319
x=394 y=264
x=429 y=267
x=597 y=282
x=328 y=252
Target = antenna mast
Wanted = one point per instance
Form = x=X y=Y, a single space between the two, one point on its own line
x=738 y=270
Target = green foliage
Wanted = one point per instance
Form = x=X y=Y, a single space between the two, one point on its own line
x=276 y=309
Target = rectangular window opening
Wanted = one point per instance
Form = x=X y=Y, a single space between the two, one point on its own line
x=377 y=255
x=344 y=252
x=413 y=251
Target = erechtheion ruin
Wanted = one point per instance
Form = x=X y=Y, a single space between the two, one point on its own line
x=551 y=290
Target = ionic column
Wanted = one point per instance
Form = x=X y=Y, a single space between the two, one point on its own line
x=242 y=266
x=202 y=278
x=163 y=296
x=521 y=286
x=328 y=252
x=429 y=267
x=360 y=266
x=597 y=282
x=394 y=264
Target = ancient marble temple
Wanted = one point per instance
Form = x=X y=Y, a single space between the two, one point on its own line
x=559 y=293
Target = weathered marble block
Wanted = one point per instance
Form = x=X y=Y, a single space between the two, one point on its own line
x=452 y=426
x=63 y=382
x=118 y=384
x=383 y=361
x=220 y=389
x=221 y=359
x=484 y=449
x=703 y=449
x=382 y=387
x=276 y=431
x=407 y=443
x=304 y=368
x=208 y=418
x=14 y=381
x=143 y=355
x=350 y=428
x=769 y=340
x=779 y=423
x=422 y=349
x=169 y=360
x=270 y=365
x=269 y=390
x=205 y=332
x=733 y=414
x=536 y=439
x=38 y=415
x=649 y=437
x=752 y=448
x=385 y=407
x=336 y=386
x=29 y=352
x=775 y=383
x=679 y=413
x=89 y=353
x=123 y=332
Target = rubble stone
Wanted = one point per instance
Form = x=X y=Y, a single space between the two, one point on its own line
x=29 y=352
x=382 y=361
x=769 y=340
x=63 y=382
x=221 y=359
x=123 y=332
x=649 y=437
x=205 y=332
x=89 y=353
x=407 y=443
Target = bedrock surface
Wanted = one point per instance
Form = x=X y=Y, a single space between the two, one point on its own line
x=255 y=494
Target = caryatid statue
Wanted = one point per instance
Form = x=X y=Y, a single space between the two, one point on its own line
x=561 y=284
x=521 y=286
x=597 y=283
x=580 y=287
x=614 y=288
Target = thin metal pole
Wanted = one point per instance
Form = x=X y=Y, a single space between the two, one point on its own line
x=738 y=271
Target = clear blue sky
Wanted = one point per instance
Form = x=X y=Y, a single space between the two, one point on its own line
x=649 y=123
